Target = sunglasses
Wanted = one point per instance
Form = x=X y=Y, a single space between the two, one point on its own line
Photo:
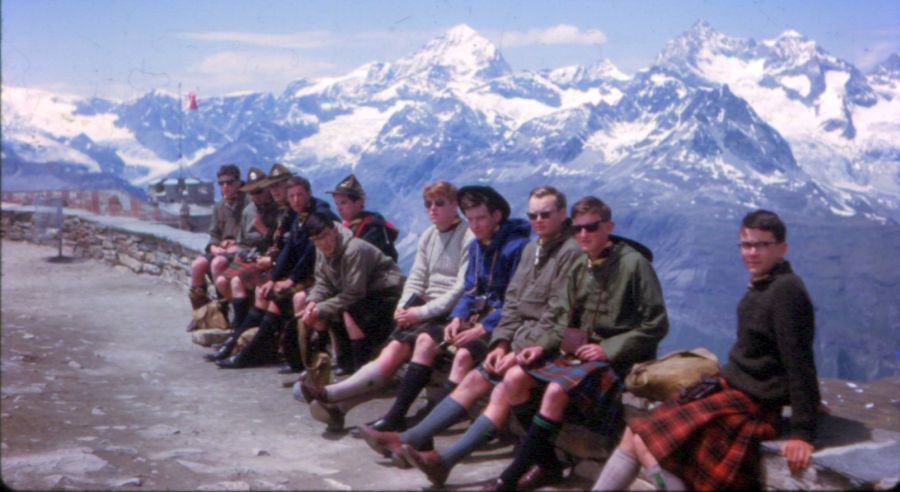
x=757 y=245
x=440 y=202
x=592 y=227
x=226 y=182
x=544 y=214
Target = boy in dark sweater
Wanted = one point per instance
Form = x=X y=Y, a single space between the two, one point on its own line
x=712 y=441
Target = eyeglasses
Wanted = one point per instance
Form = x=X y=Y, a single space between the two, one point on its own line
x=440 y=202
x=592 y=227
x=226 y=182
x=757 y=245
x=544 y=214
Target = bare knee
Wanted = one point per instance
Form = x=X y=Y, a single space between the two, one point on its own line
x=425 y=350
x=237 y=287
x=463 y=359
x=299 y=301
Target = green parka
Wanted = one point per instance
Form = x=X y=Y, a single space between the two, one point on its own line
x=620 y=301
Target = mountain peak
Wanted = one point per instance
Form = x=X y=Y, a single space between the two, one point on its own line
x=699 y=38
x=461 y=50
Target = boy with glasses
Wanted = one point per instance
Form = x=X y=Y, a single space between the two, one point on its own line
x=258 y=223
x=223 y=231
x=544 y=265
x=612 y=298
x=711 y=441
x=434 y=286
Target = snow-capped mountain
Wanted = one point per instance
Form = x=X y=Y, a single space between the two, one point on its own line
x=840 y=128
x=681 y=150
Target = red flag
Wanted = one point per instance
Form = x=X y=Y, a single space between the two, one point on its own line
x=192 y=96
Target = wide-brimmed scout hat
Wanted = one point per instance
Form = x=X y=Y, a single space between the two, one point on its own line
x=277 y=174
x=256 y=179
x=488 y=195
x=349 y=186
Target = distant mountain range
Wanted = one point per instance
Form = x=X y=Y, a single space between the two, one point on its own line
x=681 y=150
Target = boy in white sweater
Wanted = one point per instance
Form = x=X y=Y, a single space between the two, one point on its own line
x=432 y=289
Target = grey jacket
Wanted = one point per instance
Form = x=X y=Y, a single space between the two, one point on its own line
x=541 y=271
x=356 y=270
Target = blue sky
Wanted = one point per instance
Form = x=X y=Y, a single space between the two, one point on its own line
x=123 y=48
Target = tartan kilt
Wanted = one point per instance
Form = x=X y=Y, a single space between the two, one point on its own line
x=712 y=442
x=595 y=389
x=250 y=275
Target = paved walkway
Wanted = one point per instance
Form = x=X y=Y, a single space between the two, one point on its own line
x=101 y=388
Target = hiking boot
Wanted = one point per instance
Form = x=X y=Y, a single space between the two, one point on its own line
x=383 y=443
x=328 y=414
x=428 y=462
x=538 y=476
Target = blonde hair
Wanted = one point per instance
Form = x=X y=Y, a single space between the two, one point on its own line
x=437 y=189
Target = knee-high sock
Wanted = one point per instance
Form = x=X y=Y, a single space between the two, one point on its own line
x=664 y=479
x=417 y=376
x=240 y=306
x=360 y=352
x=525 y=412
x=619 y=471
x=442 y=416
x=540 y=438
x=479 y=433
x=367 y=379
x=254 y=318
x=445 y=414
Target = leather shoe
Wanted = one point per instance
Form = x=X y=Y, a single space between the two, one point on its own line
x=328 y=414
x=538 y=476
x=498 y=485
x=312 y=393
x=383 y=443
x=382 y=425
x=428 y=462
x=233 y=362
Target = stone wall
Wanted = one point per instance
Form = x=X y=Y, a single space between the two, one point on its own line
x=83 y=238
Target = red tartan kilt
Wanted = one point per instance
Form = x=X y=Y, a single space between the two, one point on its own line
x=711 y=443
x=249 y=273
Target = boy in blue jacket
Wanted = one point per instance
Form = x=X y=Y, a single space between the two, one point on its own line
x=493 y=257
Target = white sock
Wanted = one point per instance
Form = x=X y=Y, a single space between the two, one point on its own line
x=619 y=471
x=663 y=479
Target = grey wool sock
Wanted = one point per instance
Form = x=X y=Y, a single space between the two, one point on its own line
x=479 y=433
x=447 y=413
x=620 y=470
x=663 y=479
x=367 y=379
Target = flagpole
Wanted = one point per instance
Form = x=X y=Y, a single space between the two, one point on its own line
x=181 y=136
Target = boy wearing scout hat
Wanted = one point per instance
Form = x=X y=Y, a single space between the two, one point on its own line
x=350 y=200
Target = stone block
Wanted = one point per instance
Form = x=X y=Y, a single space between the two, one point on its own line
x=151 y=269
x=129 y=261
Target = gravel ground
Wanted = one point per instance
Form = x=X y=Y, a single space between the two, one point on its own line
x=102 y=389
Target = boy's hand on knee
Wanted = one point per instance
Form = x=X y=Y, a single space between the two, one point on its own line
x=529 y=355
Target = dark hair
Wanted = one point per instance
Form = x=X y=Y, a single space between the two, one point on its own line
x=316 y=223
x=765 y=220
x=591 y=205
x=469 y=197
x=542 y=191
x=230 y=170
x=299 y=181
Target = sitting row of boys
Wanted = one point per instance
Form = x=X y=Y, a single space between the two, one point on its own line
x=502 y=304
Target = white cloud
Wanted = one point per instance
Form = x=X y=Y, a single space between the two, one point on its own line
x=298 y=40
x=558 y=34
x=239 y=70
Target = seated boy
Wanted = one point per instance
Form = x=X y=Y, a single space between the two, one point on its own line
x=711 y=442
